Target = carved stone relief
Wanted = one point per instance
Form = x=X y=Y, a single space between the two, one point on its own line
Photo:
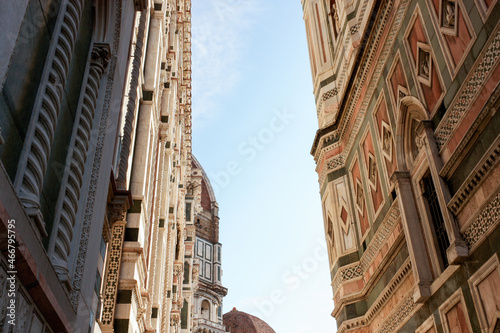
x=424 y=63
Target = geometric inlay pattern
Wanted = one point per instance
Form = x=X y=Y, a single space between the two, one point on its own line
x=467 y=95
x=96 y=165
x=112 y=270
x=385 y=229
x=487 y=219
x=399 y=315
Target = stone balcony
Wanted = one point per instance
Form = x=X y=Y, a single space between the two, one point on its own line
x=207 y=326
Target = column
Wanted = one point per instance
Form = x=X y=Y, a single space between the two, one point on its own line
x=126 y=144
x=413 y=235
x=156 y=221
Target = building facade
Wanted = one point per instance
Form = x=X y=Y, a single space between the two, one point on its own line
x=95 y=150
x=407 y=97
x=207 y=303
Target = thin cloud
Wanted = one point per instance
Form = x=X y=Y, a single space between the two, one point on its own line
x=218 y=42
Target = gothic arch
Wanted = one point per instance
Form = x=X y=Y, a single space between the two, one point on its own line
x=411 y=112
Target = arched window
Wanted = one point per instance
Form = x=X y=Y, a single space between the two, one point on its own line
x=205 y=310
x=424 y=189
x=417 y=156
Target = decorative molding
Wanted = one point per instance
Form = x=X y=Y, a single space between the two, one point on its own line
x=69 y=196
x=353 y=271
x=389 y=291
x=427 y=325
x=470 y=90
x=400 y=276
x=167 y=278
x=326 y=96
x=112 y=274
x=460 y=150
x=485 y=222
x=484 y=9
x=476 y=178
x=449 y=304
x=332 y=164
x=37 y=146
x=96 y=166
x=448 y=17
x=154 y=251
x=399 y=315
x=424 y=64
x=488 y=268
x=175 y=318
x=126 y=143
x=367 y=68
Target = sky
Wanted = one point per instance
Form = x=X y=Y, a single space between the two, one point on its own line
x=254 y=122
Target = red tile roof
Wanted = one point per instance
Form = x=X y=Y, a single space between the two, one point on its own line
x=242 y=322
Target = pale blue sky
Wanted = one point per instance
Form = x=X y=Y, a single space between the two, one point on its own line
x=254 y=122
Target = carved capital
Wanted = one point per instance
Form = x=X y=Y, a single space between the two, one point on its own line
x=116 y=212
x=175 y=318
x=178 y=268
x=399 y=176
x=100 y=55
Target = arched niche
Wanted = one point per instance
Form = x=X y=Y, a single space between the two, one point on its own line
x=205 y=309
x=411 y=113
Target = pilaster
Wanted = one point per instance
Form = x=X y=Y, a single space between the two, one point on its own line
x=117 y=211
x=413 y=235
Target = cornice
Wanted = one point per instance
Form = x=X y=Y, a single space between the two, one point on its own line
x=353 y=271
x=368 y=64
x=470 y=90
x=365 y=320
x=476 y=178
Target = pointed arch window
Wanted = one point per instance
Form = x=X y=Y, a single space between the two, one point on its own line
x=417 y=155
x=425 y=190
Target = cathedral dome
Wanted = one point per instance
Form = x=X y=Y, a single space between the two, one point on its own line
x=242 y=322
